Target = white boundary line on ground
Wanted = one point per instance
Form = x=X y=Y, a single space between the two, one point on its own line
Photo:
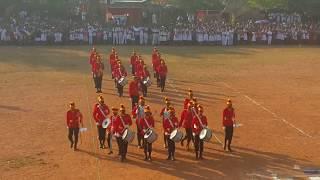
x=268 y=110
x=91 y=126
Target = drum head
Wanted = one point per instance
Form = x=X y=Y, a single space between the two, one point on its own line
x=106 y=123
x=203 y=133
x=173 y=133
x=125 y=133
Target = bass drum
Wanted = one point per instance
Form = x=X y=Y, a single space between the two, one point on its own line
x=206 y=134
x=123 y=81
x=128 y=135
x=176 y=135
x=106 y=123
x=151 y=136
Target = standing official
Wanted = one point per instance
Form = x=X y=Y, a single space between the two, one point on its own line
x=198 y=123
x=74 y=119
x=162 y=70
x=170 y=124
x=100 y=113
x=228 y=120
x=119 y=125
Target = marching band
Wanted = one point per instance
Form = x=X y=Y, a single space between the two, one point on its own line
x=119 y=123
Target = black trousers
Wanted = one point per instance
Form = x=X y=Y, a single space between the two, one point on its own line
x=123 y=147
x=144 y=89
x=73 y=136
x=132 y=70
x=101 y=134
x=147 y=147
x=171 y=146
x=228 y=135
x=109 y=141
x=139 y=136
x=120 y=89
x=162 y=83
x=98 y=82
x=165 y=140
x=188 y=136
x=134 y=101
x=198 y=144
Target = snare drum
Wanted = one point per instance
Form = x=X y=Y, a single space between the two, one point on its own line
x=147 y=82
x=176 y=135
x=128 y=135
x=151 y=136
x=123 y=81
x=106 y=123
x=206 y=134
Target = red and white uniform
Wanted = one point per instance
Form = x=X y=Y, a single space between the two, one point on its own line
x=170 y=124
x=146 y=123
x=162 y=70
x=98 y=68
x=133 y=60
x=155 y=61
x=186 y=102
x=120 y=72
x=228 y=116
x=196 y=125
x=113 y=118
x=143 y=74
x=139 y=69
x=134 y=88
x=164 y=114
x=186 y=118
x=120 y=125
x=74 y=118
x=100 y=113
x=92 y=60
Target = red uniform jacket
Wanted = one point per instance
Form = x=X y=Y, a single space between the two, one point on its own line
x=164 y=114
x=227 y=117
x=185 y=103
x=118 y=126
x=112 y=57
x=74 y=118
x=143 y=74
x=92 y=60
x=155 y=61
x=134 y=88
x=98 y=116
x=113 y=118
x=138 y=69
x=196 y=125
x=133 y=60
x=169 y=127
x=162 y=70
x=144 y=125
x=186 y=118
x=98 y=68
x=120 y=72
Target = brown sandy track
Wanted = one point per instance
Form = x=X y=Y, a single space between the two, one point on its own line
x=264 y=145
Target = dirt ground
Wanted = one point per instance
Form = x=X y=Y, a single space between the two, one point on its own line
x=276 y=94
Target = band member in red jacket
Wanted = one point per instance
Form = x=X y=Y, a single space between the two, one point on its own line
x=119 y=125
x=98 y=68
x=119 y=73
x=134 y=91
x=198 y=123
x=228 y=121
x=155 y=60
x=147 y=123
x=170 y=124
x=187 y=100
x=143 y=76
x=74 y=119
x=164 y=114
x=162 y=70
x=100 y=113
x=92 y=58
x=138 y=114
x=112 y=58
x=156 y=65
x=186 y=122
x=139 y=67
x=113 y=118
x=133 y=62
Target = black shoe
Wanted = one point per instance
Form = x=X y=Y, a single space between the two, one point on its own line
x=75 y=148
x=71 y=145
x=169 y=157
x=181 y=143
x=150 y=159
x=103 y=146
x=110 y=152
x=146 y=158
x=172 y=158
